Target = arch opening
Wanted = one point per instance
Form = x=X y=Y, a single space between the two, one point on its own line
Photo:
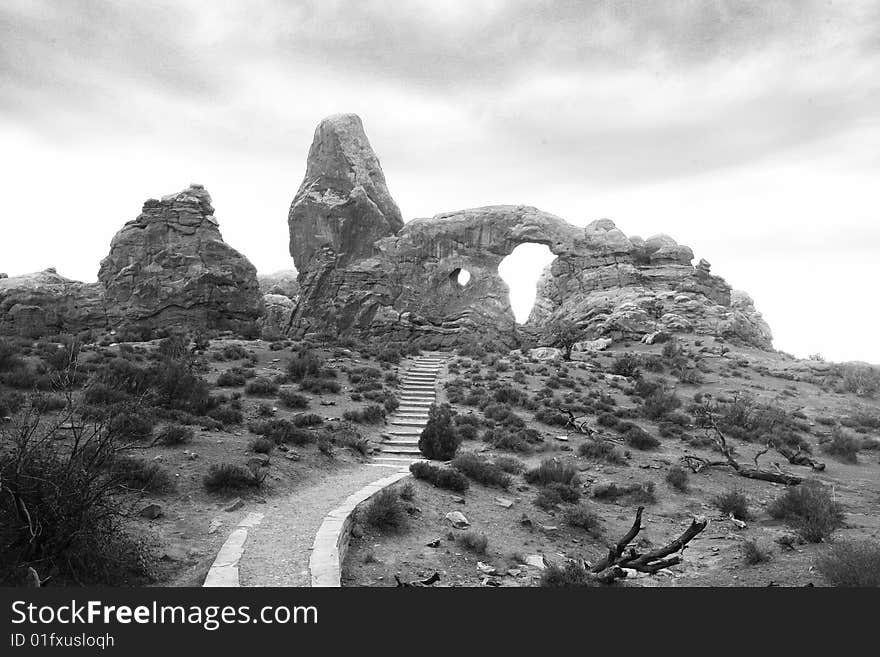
x=521 y=271
x=460 y=276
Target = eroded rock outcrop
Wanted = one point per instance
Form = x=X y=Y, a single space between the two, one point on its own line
x=46 y=303
x=358 y=275
x=171 y=267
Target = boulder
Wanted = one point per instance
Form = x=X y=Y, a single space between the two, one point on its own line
x=545 y=353
x=457 y=519
x=171 y=267
x=151 y=511
x=283 y=283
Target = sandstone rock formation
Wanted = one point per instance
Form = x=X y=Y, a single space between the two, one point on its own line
x=46 y=303
x=360 y=272
x=171 y=267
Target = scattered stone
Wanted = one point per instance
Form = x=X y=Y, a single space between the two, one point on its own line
x=151 y=511
x=234 y=505
x=433 y=544
x=486 y=568
x=458 y=500
x=504 y=502
x=535 y=560
x=458 y=519
x=548 y=529
x=216 y=524
x=292 y=456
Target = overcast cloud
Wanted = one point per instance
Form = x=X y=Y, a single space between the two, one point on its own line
x=747 y=130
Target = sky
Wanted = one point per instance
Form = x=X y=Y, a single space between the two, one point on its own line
x=748 y=130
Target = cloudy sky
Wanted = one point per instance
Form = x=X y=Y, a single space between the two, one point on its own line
x=748 y=130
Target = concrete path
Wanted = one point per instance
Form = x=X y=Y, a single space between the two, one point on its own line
x=276 y=551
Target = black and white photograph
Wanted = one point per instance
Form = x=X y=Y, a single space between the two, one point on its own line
x=472 y=294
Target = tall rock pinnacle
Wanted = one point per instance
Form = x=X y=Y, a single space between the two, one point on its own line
x=343 y=203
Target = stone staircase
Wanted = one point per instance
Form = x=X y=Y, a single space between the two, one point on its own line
x=416 y=393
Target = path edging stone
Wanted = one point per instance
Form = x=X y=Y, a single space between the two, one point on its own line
x=334 y=534
x=224 y=570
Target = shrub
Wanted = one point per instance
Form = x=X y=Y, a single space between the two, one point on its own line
x=440 y=439
x=304 y=365
x=660 y=403
x=626 y=365
x=319 y=386
x=734 y=502
x=307 y=420
x=583 y=517
x=753 y=553
x=225 y=477
x=10 y=355
x=141 y=475
x=851 y=563
x=262 y=445
x=473 y=541
x=810 y=510
x=552 y=470
x=175 y=434
x=440 y=477
x=608 y=420
x=132 y=425
x=386 y=511
x=261 y=386
x=73 y=529
x=602 y=450
x=548 y=499
x=843 y=446
x=638 y=438
x=635 y=493
x=509 y=464
x=551 y=418
x=503 y=414
x=677 y=477
x=502 y=438
x=232 y=378
x=282 y=431
x=569 y=574
x=369 y=414
x=481 y=470
x=226 y=414
x=291 y=399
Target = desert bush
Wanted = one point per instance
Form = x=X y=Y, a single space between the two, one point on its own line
x=553 y=470
x=851 y=563
x=319 y=386
x=551 y=417
x=440 y=477
x=224 y=477
x=583 y=517
x=502 y=438
x=481 y=470
x=261 y=386
x=626 y=365
x=810 y=510
x=10 y=403
x=471 y=540
x=753 y=554
x=369 y=414
x=307 y=420
x=291 y=399
x=503 y=414
x=10 y=355
x=660 y=403
x=568 y=575
x=677 y=477
x=842 y=446
x=73 y=527
x=733 y=501
x=509 y=464
x=638 y=438
x=139 y=474
x=262 y=445
x=175 y=434
x=385 y=511
x=282 y=431
x=635 y=493
x=133 y=424
x=226 y=414
x=306 y=364
x=863 y=380
x=231 y=378
x=440 y=439
x=602 y=450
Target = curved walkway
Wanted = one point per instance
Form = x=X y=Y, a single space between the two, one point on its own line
x=276 y=550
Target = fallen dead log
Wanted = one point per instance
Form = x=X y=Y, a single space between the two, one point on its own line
x=621 y=555
x=799 y=457
x=430 y=581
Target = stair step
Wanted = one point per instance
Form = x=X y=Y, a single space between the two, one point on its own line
x=414 y=451
x=405 y=431
x=400 y=443
x=406 y=422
